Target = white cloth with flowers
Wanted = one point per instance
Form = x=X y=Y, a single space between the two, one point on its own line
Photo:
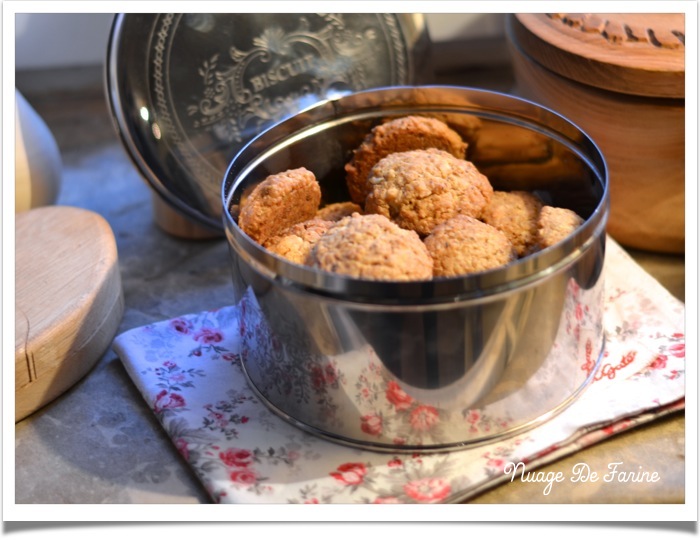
x=188 y=371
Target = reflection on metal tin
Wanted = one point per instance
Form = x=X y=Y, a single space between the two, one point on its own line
x=187 y=91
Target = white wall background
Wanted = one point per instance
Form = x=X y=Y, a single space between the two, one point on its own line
x=48 y=40
x=51 y=40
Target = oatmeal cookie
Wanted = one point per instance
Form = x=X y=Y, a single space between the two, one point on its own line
x=515 y=214
x=337 y=211
x=278 y=202
x=555 y=224
x=465 y=245
x=398 y=135
x=372 y=247
x=420 y=189
x=295 y=243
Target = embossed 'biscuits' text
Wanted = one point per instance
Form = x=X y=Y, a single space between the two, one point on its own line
x=281 y=73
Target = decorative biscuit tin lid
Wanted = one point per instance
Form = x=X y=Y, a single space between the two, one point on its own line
x=633 y=53
x=187 y=91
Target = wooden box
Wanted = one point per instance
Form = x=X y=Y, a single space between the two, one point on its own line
x=621 y=78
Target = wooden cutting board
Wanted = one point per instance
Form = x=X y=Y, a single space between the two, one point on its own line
x=68 y=300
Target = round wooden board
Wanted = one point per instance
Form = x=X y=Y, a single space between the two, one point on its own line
x=68 y=300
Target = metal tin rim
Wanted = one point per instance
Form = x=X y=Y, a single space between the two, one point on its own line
x=122 y=127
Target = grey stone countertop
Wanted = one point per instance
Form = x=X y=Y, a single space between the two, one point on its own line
x=100 y=443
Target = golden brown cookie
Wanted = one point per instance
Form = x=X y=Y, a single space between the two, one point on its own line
x=295 y=243
x=555 y=224
x=372 y=247
x=515 y=214
x=398 y=135
x=278 y=202
x=465 y=245
x=420 y=189
x=337 y=211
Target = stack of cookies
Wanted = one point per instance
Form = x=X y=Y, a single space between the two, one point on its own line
x=417 y=210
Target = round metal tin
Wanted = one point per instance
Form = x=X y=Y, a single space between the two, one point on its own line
x=440 y=364
x=188 y=91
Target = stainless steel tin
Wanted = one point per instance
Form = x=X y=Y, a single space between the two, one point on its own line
x=188 y=90
x=429 y=365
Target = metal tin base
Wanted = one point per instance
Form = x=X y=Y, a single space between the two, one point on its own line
x=430 y=448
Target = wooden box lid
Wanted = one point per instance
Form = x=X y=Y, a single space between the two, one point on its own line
x=633 y=53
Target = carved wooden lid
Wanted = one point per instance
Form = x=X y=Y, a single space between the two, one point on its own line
x=634 y=53
x=188 y=90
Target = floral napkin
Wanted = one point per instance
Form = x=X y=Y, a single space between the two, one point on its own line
x=189 y=373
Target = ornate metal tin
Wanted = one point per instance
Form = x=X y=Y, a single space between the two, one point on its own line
x=187 y=91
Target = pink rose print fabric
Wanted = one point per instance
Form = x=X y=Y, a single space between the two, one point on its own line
x=188 y=370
